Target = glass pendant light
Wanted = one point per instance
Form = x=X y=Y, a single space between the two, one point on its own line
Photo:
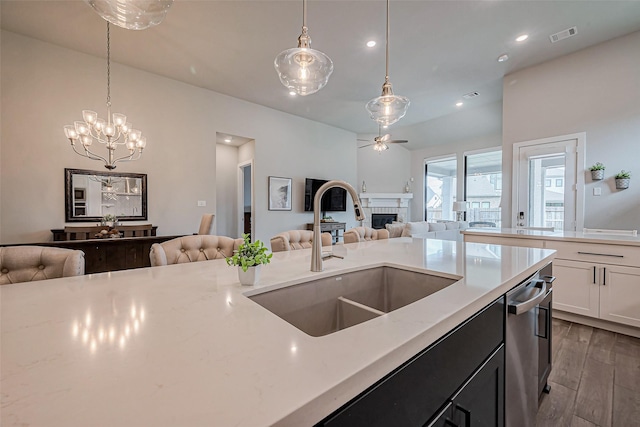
x=132 y=14
x=302 y=69
x=388 y=108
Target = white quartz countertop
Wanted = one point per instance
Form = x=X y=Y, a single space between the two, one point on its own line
x=568 y=236
x=182 y=345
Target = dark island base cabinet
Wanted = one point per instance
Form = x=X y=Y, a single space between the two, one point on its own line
x=457 y=381
x=480 y=402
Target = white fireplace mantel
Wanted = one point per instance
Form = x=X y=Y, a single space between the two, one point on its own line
x=385 y=200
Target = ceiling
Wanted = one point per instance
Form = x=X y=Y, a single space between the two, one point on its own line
x=439 y=50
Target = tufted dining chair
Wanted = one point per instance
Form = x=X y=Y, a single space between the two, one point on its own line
x=30 y=263
x=296 y=239
x=192 y=249
x=362 y=234
x=206 y=224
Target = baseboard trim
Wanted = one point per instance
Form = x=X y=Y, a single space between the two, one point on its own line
x=597 y=323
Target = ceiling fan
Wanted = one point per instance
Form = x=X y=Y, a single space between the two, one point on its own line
x=380 y=142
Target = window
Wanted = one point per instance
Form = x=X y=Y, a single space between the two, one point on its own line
x=440 y=189
x=547 y=183
x=483 y=187
x=558 y=182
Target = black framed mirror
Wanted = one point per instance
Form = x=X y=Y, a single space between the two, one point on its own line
x=90 y=195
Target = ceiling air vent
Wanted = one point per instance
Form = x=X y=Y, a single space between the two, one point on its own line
x=470 y=95
x=569 y=32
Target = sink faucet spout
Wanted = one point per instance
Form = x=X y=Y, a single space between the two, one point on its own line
x=316 y=251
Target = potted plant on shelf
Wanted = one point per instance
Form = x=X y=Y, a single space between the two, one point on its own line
x=249 y=257
x=597 y=171
x=109 y=220
x=622 y=179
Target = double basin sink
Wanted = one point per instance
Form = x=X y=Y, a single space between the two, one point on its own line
x=323 y=306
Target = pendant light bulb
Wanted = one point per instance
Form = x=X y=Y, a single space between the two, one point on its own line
x=388 y=108
x=303 y=70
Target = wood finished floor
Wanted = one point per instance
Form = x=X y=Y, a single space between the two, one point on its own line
x=595 y=380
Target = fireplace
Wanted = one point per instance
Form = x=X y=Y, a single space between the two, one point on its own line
x=378 y=220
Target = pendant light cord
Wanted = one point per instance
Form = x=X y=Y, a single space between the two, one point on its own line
x=387 y=44
x=304 y=16
x=108 y=65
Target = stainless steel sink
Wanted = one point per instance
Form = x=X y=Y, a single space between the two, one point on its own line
x=323 y=306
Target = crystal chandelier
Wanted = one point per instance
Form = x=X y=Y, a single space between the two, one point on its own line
x=388 y=108
x=302 y=69
x=113 y=132
x=132 y=14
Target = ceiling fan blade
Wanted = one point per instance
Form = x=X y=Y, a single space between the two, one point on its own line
x=384 y=138
x=368 y=145
x=397 y=141
x=364 y=140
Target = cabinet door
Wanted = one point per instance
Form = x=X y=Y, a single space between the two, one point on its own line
x=480 y=402
x=620 y=294
x=576 y=287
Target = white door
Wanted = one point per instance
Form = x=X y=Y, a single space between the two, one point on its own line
x=548 y=183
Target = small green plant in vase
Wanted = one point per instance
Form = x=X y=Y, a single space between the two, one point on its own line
x=249 y=257
x=623 y=178
x=109 y=220
x=597 y=171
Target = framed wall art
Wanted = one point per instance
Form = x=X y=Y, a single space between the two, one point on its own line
x=279 y=193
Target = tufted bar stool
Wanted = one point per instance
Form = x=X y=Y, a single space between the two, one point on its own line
x=192 y=249
x=296 y=239
x=30 y=263
x=362 y=234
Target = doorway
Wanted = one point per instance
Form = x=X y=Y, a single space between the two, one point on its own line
x=245 y=198
x=548 y=183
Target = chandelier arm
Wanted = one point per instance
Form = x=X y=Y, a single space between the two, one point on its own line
x=128 y=158
x=115 y=140
x=92 y=156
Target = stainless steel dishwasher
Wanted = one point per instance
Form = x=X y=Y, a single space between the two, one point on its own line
x=522 y=349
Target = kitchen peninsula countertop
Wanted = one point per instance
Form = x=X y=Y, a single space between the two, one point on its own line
x=562 y=235
x=183 y=345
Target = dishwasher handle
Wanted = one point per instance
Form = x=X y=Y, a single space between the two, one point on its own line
x=524 y=306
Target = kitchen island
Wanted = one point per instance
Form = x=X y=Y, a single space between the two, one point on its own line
x=184 y=345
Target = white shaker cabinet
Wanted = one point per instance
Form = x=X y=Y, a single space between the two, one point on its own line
x=576 y=288
x=620 y=295
x=606 y=291
x=593 y=279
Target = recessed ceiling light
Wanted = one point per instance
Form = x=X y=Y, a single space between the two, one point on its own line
x=503 y=57
x=459 y=104
x=227 y=140
x=385 y=127
x=371 y=43
x=522 y=38
x=292 y=93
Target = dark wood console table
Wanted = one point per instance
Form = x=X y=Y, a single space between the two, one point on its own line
x=88 y=232
x=113 y=254
x=332 y=227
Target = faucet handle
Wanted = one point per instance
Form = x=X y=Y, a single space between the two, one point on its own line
x=327 y=255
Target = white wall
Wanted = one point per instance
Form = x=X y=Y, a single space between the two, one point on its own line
x=45 y=87
x=384 y=172
x=595 y=91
